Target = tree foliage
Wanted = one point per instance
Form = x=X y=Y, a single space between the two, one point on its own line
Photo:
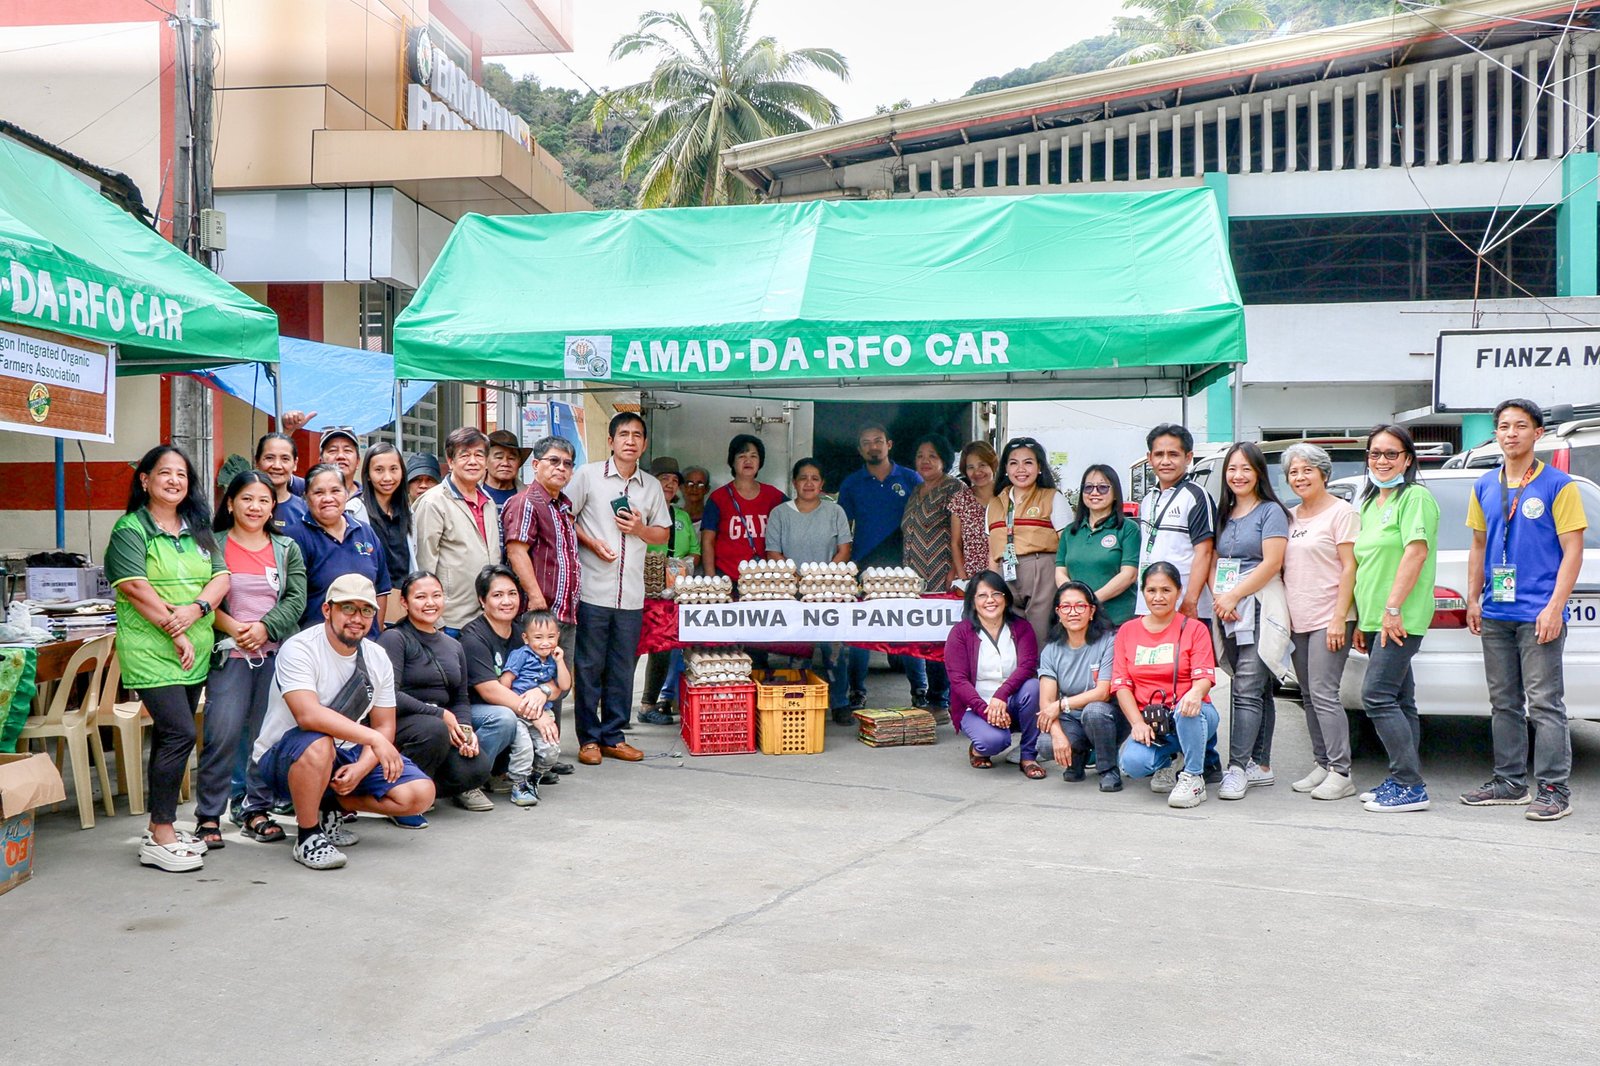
x=716 y=84
x=1097 y=53
x=563 y=124
x=1181 y=27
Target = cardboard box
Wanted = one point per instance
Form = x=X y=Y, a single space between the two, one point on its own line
x=49 y=584
x=26 y=782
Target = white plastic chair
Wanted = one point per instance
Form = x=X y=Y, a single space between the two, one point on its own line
x=77 y=727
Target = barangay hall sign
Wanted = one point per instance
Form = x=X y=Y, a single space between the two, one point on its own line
x=442 y=96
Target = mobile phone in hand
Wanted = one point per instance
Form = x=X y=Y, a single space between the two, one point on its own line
x=620 y=504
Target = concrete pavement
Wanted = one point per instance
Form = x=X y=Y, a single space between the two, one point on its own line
x=860 y=906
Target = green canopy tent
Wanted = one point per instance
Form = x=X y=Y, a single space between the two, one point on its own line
x=1030 y=297
x=73 y=263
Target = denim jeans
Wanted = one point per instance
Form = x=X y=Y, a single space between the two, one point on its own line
x=835 y=662
x=425 y=740
x=1195 y=737
x=496 y=728
x=1319 y=672
x=916 y=670
x=938 y=683
x=236 y=702
x=991 y=740
x=1389 y=696
x=1526 y=685
x=1252 y=712
x=1100 y=726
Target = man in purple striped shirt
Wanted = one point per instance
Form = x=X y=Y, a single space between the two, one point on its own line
x=542 y=541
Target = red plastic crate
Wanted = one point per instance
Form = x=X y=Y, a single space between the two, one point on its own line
x=718 y=719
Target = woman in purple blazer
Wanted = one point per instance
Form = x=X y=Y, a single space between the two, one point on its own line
x=992 y=657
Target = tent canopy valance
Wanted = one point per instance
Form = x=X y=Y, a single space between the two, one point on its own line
x=1029 y=297
x=72 y=262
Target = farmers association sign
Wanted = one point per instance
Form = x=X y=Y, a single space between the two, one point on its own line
x=57 y=386
x=598 y=356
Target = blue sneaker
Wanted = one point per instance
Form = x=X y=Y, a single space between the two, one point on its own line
x=524 y=793
x=1368 y=797
x=409 y=821
x=1400 y=798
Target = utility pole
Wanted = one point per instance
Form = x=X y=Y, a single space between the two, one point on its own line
x=192 y=192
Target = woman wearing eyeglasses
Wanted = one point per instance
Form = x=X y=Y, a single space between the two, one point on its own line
x=266 y=595
x=1075 y=709
x=1101 y=546
x=1395 y=561
x=1025 y=520
x=992 y=659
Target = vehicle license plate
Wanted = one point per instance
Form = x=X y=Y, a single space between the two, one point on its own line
x=1583 y=611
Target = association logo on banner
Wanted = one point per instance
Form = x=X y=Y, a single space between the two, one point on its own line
x=38 y=403
x=589 y=358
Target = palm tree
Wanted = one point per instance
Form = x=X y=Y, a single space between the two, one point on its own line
x=1179 y=27
x=711 y=89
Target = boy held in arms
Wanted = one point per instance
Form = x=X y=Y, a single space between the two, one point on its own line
x=538 y=667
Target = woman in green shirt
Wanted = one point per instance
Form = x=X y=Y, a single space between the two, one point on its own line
x=1395 y=559
x=167 y=583
x=1101 y=546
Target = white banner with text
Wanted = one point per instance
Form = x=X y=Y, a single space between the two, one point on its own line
x=784 y=622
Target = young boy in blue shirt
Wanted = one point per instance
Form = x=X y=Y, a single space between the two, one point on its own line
x=538 y=669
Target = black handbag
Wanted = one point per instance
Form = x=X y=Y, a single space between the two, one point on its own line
x=1157 y=714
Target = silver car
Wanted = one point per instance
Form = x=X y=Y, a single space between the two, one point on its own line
x=1449 y=666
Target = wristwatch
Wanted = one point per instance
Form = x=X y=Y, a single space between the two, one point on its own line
x=205 y=608
x=1392 y=611
x=547 y=690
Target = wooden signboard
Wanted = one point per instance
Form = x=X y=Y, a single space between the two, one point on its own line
x=55 y=385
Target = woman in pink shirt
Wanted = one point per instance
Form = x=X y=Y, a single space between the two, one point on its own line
x=1319 y=578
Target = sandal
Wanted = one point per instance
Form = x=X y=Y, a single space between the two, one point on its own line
x=260 y=826
x=979 y=762
x=210 y=835
x=1032 y=770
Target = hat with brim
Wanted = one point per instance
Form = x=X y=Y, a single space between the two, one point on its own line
x=424 y=465
x=352 y=588
x=665 y=464
x=335 y=432
x=504 y=438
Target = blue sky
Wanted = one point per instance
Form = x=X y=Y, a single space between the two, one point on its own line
x=925 y=51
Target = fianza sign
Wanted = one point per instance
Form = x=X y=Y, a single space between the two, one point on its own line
x=1475 y=369
x=442 y=96
x=594 y=356
x=871 y=621
x=66 y=302
x=55 y=385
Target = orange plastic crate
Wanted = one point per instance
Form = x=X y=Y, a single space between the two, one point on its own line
x=718 y=719
x=791 y=712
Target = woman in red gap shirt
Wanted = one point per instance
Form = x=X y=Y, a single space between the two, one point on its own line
x=1164 y=657
x=733 y=526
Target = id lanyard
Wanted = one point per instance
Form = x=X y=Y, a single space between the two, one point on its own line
x=1008 y=561
x=749 y=529
x=1511 y=511
x=1155 y=527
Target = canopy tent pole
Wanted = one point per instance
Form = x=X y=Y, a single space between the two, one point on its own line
x=1238 y=404
x=277 y=396
x=61 y=495
x=399 y=420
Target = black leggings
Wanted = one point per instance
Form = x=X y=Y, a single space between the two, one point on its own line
x=172 y=709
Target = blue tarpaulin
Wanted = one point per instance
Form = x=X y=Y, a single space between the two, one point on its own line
x=344 y=386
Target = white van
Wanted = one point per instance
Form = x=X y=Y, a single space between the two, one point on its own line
x=1573 y=446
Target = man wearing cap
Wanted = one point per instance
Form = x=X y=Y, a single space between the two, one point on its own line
x=341 y=449
x=327 y=741
x=422 y=474
x=662 y=668
x=619 y=512
x=506 y=456
x=458 y=527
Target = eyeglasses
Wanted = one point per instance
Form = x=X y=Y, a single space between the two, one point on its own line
x=564 y=464
x=1022 y=442
x=350 y=610
x=1096 y=490
x=696 y=484
x=1389 y=454
x=1073 y=608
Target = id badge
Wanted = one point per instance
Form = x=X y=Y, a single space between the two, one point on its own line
x=1008 y=563
x=1227 y=574
x=1503 y=584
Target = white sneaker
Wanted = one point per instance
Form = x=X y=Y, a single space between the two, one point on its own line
x=1190 y=791
x=1333 y=787
x=1255 y=776
x=317 y=852
x=1311 y=780
x=1234 y=785
x=1164 y=779
x=176 y=858
x=338 y=835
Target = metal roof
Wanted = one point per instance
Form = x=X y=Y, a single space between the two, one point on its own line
x=1376 y=44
